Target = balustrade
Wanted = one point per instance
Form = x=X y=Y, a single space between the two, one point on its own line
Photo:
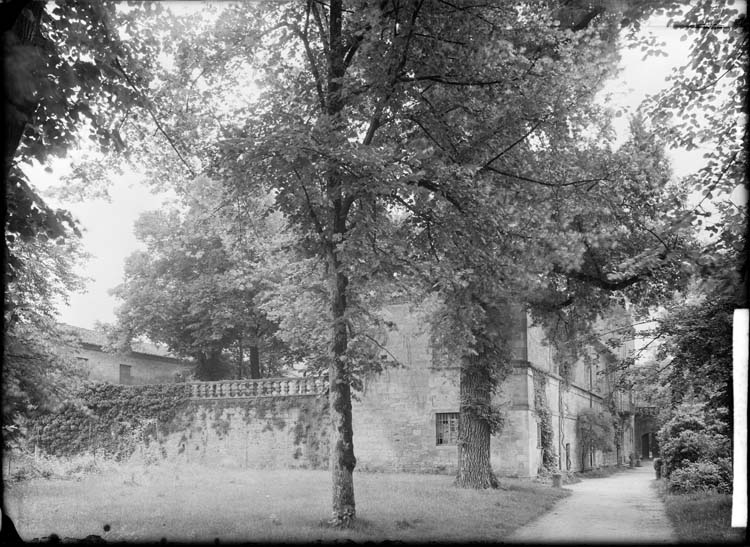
x=266 y=387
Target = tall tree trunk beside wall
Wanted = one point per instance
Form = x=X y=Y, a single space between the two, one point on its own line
x=474 y=429
x=254 y=362
x=342 y=460
x=342 y=444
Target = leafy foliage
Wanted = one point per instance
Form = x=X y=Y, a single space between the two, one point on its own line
x=39 y=372
x=702 y=476
x=65 y=66
x=64 y=80
x=109 y=417
x=698 y=341
x=595 y=431
x=195 y=287
x=695 y=445
x=544 y=415
x=38 y=365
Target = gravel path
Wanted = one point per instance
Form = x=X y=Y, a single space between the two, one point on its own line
x=622 y=508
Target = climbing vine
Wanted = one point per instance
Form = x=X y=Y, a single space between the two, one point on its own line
x=595 y=432
x=544 y=415
x=110 y=417
x=116 y=420
x=617 y=423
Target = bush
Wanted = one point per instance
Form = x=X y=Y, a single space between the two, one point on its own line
x=691 y=437
x=700 y=476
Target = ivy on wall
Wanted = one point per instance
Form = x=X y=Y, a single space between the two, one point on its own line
x=618 y=424
x=544 y=415
x=116 y=419
x=110 y=417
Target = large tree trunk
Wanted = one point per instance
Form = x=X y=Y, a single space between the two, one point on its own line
x=342 y=446
x=474 y=433
x=254 y=361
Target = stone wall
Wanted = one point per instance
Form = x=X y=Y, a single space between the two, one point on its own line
x=256 y=433
x=394 y=416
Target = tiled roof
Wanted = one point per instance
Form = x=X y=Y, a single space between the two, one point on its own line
x=96 y=338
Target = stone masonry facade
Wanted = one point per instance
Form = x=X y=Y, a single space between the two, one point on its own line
x=396 y=420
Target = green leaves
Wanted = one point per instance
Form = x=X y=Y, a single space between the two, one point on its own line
x=196 y=286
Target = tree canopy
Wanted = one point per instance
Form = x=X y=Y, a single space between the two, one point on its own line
x=196 y=286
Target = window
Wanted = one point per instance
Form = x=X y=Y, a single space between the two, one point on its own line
x=446 y=428
x=125 y=374
x=539 y=434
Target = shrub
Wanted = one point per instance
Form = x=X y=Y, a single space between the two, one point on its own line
x=690 y=437
x=702 y=475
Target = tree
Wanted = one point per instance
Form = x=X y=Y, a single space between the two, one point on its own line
x=38 y=366
x=595 y=432
x=704 y=108
x=195 y=287
x=359 y=139
x=63 y=81
x=391 y=109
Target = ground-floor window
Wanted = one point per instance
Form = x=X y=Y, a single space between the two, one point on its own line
x=446 y=428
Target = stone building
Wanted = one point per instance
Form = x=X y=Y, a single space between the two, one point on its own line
x=407 y=417
x=145 y=364
x=404 y=419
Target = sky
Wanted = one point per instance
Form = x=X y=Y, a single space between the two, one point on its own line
x=108 y=225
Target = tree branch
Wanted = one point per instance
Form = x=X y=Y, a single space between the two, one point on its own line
x=514 y=144
x=543 y=183
x=311 y=59
x=153 y=117
x=310 y=207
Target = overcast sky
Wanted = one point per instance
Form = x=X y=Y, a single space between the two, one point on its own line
x=108 y=226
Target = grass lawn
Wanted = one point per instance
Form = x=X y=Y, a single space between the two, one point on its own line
x=703 y=517
x=187 y=504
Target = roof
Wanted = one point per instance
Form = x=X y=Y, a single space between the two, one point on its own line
x=97 y=338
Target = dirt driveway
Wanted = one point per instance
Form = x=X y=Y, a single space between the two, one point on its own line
x=622 y=508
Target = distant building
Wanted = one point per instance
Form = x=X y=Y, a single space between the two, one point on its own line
x=145 y=364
